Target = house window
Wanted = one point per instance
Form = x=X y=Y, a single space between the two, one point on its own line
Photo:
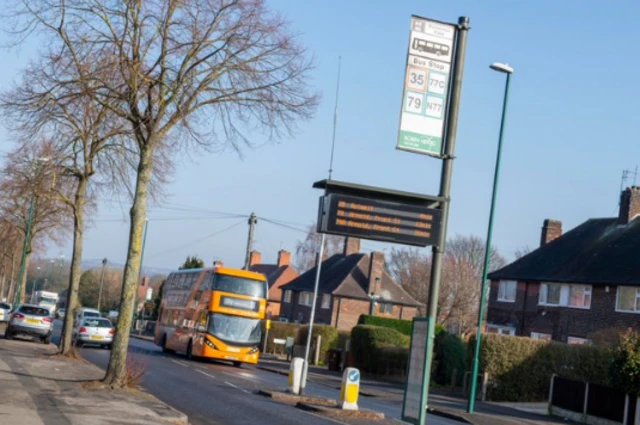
x=305 y=298
x=572 y=340
x=563 y=295
x=501 y=330
x=542 y=336
x=628 y=299
x=507 y=291
x=326 y=301
x=287 y=296
x=386 y=308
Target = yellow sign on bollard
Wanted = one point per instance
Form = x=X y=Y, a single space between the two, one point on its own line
x=350 y=389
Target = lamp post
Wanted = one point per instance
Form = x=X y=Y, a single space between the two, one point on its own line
x=104 y=264
x=34 y=282
x=373 y=297
x=508 y=70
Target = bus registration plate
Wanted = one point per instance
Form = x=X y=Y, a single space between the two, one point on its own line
x=230 y=358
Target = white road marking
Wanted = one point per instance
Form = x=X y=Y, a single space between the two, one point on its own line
x=245 y=376
x=236 y=387
x=180 y=363
x=205 y=373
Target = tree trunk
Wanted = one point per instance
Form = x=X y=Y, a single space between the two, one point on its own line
x=76 y=266
x=23 y=284
x=117 y=370
x=3 y=283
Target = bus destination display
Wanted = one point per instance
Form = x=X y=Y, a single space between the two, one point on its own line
x=379 y=220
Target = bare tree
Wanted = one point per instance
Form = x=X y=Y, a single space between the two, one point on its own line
x=9 y=252
x=307 y=249
x=461 y=278
x=52 y=101
x=27 y=189
x=411 y=268
x=203 y=71
x=522 y=251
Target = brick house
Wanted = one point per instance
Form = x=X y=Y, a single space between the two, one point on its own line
x=575 y=285
x=350 y=284
x=277 y=275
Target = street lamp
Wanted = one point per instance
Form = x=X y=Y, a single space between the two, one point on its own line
x=373 y=297
x=104 y=264
x=33 y=286
x=506 y=69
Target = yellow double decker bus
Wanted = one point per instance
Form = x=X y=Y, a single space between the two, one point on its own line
x=216 y=313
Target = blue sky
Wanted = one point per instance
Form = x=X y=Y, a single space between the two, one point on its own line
x=571 y=129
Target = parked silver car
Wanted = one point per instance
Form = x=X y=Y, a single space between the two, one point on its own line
x=30 y=320
x=5 y=312
x=94 y=330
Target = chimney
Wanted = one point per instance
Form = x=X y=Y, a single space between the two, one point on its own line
x=284 y=258
x=376 y=269
x=351 y=246
x=551 y=229
x=629 y=204
x=254 y=258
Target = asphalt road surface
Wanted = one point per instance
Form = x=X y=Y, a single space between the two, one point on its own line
x=215 y=393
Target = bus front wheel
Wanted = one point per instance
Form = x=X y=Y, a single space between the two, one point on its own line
x=237 y=364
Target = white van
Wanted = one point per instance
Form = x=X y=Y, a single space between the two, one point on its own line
x=83 y=312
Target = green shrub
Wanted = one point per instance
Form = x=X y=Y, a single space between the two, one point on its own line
x=279 y=330
x=329 y=339
x=402 y=326
x=520 y=369
x=390 y=363
x=367 y=342
x=625 y=365
x=341 y=342
x=450 y=353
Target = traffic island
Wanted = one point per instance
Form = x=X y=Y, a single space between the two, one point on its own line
x=294 y=399
x=336 y=412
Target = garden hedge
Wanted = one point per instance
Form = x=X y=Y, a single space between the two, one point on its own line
x=450 y=353
x=402 y=326
x=279 y=330
x=370 y=345
x=520 y=369
x=329 y=340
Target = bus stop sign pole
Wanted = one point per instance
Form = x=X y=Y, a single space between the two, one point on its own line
x=445 y=192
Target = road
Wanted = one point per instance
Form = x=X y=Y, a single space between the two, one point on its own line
x=217 y=393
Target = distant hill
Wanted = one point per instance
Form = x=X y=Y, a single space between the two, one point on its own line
x=149 y=271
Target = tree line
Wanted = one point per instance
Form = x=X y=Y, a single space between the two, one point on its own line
x=117 y=90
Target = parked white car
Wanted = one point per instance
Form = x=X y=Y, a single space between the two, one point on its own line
x=5 y=312
x=32 y=320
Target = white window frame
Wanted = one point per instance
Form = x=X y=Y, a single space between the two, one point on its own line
x=305 y=298
x=541 y=336
x=326 y=301
x=502 y=291
x=511 y=331
x=637 y=309
x=574 y=340
x=287 y=296
x=565 y=295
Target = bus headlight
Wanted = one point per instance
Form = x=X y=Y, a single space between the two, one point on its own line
x=210 y=344
x=253 y=350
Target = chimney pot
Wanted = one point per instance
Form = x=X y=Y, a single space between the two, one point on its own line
x=629 y=204
x=551 y=229
x=376 y=270
x=254 y=258
x=284 y=258
x=351 y=246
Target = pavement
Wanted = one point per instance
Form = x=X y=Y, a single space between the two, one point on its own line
x=441 y=403
x=38 y=387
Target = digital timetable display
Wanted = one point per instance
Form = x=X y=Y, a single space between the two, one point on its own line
x=375 y=219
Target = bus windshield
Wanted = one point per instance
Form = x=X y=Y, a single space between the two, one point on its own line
x=235 y=329
x=45 y=300
x=239 y=285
